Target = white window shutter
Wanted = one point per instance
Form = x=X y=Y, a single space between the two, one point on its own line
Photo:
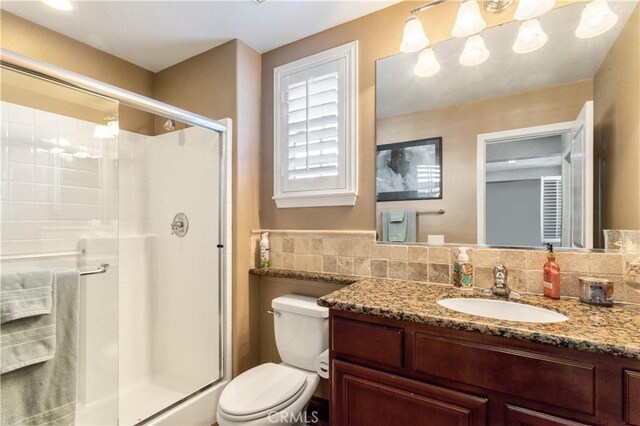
x=314 y=126
x=551 y=209
x=315 y=144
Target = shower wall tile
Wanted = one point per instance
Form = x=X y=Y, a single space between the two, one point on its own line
x=182 y=176
x=51 y=187
x=59 y=193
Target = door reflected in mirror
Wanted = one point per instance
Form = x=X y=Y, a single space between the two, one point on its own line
x=537 y=147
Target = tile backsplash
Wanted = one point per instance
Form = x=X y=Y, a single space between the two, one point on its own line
x=357 y=253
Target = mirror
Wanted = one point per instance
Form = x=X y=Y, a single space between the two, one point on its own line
x=533 y=148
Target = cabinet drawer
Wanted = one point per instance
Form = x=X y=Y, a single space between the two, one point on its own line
x=517 y=416
x=364 y=397
x=537 y=377
x=632 y=397
x=369 y=342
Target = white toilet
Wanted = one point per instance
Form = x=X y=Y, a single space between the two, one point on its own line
x=279 y=393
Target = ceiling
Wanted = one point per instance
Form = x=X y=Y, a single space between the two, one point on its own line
x=565 y=58
x=158 y=34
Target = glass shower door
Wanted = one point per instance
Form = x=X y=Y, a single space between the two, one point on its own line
x=59 y=199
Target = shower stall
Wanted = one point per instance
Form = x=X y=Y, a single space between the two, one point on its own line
x=144 y=213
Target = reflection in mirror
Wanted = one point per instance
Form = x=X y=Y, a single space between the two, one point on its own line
x=409 y=170
x=536 y=147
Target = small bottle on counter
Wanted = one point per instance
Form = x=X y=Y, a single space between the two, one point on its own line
x=551 y=284
x=264 y=250
x=463 y=271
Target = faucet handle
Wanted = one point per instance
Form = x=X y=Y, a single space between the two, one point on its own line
x=487 y=292
x=514 y=295
x=500 y=268
x=500 y=273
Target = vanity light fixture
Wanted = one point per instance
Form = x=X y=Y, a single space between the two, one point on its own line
x=413 y=38
x=597 y=18
x=475 y=52
x=469 y=20
x=531 y=37
x=64 y=5
x=427 y=64
x=529 y=9
x=495 y=6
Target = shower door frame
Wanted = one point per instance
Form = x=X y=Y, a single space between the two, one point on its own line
x=36 y=68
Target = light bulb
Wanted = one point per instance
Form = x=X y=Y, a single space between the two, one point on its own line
x=65 y=5
x=475 y=52
x=413 y=38
x=427 y=63
x=469 y=20
x=530 y=37
x=529 y=9
x=597 y=18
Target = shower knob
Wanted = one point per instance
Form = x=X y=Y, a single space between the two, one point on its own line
x=180 y=225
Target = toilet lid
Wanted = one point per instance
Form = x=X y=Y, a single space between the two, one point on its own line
x=260 y=389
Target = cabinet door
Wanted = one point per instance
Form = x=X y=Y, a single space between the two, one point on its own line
x=364 y=397
x=517 y=416
x=632 y=397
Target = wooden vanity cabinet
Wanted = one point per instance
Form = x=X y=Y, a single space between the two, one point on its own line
x=368 y=397
x=391 y=372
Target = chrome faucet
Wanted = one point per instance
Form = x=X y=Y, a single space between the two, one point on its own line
x=500 y=286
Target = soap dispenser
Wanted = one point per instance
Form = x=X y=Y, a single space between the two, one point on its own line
x=264 y=250
x=463 y=271
x=551 y=284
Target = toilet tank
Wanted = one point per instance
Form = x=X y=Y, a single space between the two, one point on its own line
x=301 y=328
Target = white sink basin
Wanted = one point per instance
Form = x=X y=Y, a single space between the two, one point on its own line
x=502 y=310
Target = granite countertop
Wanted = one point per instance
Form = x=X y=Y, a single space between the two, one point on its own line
x=307 y=276
x=608 y=330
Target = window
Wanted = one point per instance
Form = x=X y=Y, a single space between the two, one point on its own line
x=551 y=214
x=315 y=130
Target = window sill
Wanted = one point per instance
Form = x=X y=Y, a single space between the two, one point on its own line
x=315 y=200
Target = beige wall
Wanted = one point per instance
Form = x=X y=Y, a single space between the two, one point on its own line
x=32 y=40
x=204 y=84
x=225 y=83
x=459 y=126
x=22 y=89
x=379 y=35
x=616 y=89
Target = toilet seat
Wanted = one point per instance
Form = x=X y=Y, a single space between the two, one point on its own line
x=262 y=390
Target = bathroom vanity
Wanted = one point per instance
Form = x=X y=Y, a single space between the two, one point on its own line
x=398 y=358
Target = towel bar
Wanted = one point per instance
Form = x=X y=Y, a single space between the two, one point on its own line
x=100 y=270
x=441 y=211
